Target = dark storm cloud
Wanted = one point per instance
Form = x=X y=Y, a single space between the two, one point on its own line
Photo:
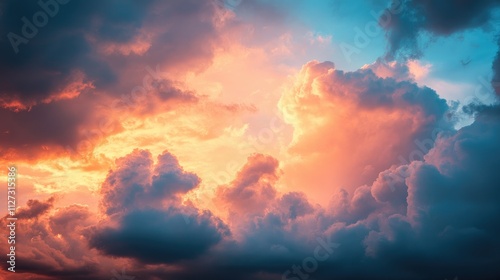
x=147 y=231
x=391 y=93
x=35 y=208
x=440 y=17
x=72 y=40
x=129 y=180
x=295 y=204
x=94 y=54
x=437 y=221
x=52 y=125
x=45 y=63
x=136 y=183
x=252 y=190
x=169 y=179
x=372 y=91
x=159 y=236
x=452 y=203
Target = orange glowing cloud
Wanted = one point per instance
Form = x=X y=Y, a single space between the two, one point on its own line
x=349 y=126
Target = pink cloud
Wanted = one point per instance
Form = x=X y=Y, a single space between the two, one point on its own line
x=349 y=126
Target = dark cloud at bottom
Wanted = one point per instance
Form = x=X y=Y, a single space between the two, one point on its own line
x=449 y=227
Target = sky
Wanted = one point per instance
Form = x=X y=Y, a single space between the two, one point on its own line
x=250 y=139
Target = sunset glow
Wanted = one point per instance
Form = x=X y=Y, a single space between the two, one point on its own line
x=250 y=139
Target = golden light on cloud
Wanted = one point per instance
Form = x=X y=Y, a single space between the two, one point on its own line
x=236 y=139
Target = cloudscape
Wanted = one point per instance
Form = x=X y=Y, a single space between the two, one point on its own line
x=250 y=139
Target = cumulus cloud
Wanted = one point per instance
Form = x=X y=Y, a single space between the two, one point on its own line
x=74 y=35
x=64 y=240
x=159 y=236
x=411 y=220
x=56 y=125
x=448 y=227
x=349 y=126
x=50 y=242
x=397 y=71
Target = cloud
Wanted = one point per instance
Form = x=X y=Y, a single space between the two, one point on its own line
x=345 y=124
x=433 y=217
x=439 y=18
x=453 y=197
x=35 y=208
x=113 y=59
x=253 y=189
x=138 y=192
x=159 y=236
